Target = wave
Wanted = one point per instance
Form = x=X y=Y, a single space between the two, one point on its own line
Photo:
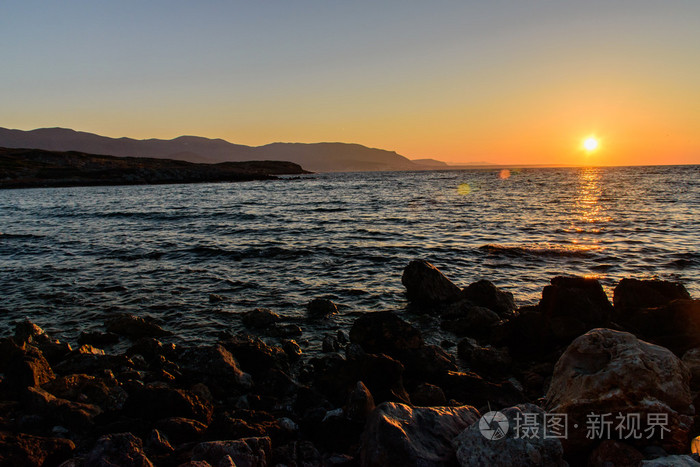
x=250 y=253
x=546 y=251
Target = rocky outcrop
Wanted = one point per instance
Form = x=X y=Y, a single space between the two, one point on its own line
x=384 y=332
x=612 y=372
x=23 y=449
x=426 y=284
x=634 y=294
x=483 y=293
x=396 y=434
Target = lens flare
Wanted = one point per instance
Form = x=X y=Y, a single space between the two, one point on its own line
x=464 y=189
x=503 y=174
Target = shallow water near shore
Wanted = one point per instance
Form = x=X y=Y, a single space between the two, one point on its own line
x=71 y=257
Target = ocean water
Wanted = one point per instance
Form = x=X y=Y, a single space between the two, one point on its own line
x=71 y=257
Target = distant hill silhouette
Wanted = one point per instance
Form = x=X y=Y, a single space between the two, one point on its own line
x=317 y=157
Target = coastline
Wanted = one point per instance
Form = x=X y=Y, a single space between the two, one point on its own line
x=259 y=398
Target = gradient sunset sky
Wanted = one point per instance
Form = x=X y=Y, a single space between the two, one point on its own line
x=508 y=82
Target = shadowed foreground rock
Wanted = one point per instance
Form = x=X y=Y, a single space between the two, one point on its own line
x=396 y=434
x=426 y=284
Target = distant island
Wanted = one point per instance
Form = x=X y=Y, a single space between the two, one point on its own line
x=26 y=168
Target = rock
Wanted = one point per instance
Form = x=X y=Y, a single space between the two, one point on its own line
x=93 y=364
x=98 y=338
x=245 y=452
x=329 y=344
x=75 y=415
x=283 y=330
x=157 y=442
x=634 y=294
x=21 y=449
x=360 y=403
x=134 y=327
x=321 y=308
x=335 y=377
x=292 y=349
x=260 y=318
x=574 y=305
x=615 y=453
x=523 y=445
x=150 y=349
x=155 y=402
x=484 y=294
x=181 y=430
x=691 y=359
x=484 y=359
x=275 y=383
x=27 y=367
x=672 y=461
x=675 y=325
x=28 y=332
x=464 y=319
x=254 y=355
x=612 y=372
x=396 y=434
x=103 y=392
x=384 y=332
x=428 y=395
x=426 y=284
x=122 y=449
x=216 y=367
x=428 y=363
x=216 y=298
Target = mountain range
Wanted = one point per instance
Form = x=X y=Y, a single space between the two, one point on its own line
x=317 y=157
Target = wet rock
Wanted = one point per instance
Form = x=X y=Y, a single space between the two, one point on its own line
x=574 y=305
x=321 y=308
x=19 y=449
x=150 y=349
x=74 y=415
x=484 y=294
x=612 y=372
x=135 y=327
x=463 y=319
x=216 y=367
x=260 y=318
x=98 y=338
x=181 y=430
x=428 y=395
x=396 y=434
x=384 y=332
x=283 y=330
x=245 y=452
x=672 y=461
x=360 y=403
x=292 y=349
x=634 y=294
x=426 y=284
x=27 y=367
x=254 y=355
x=216 y=298
x=615 y=453
x=485 y=359
x=155 y=402
x=122 y=449
x=518 y=447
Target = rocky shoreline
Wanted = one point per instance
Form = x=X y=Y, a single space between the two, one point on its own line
x=31 y=168
x=621 y=378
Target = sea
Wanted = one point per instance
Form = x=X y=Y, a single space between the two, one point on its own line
x=70 y=258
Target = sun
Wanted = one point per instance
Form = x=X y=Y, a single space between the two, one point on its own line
x=590 y=144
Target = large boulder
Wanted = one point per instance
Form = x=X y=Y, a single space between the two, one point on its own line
x=614 y=374
x=260 y=318
x=525 y=442
x=216 y=367
x=26 y=367
x=484 y=293
x=574 y=305
x=384 y=332
x=75 y=415
x=396 y=434
x=633 y=294
x=254 y=355
x=464 y=319
x=28 y=332
x=426 y=284
x=470 y=388
x=321 y=308
x=675 y=325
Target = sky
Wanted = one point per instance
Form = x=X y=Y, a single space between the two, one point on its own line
x=505 y=82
